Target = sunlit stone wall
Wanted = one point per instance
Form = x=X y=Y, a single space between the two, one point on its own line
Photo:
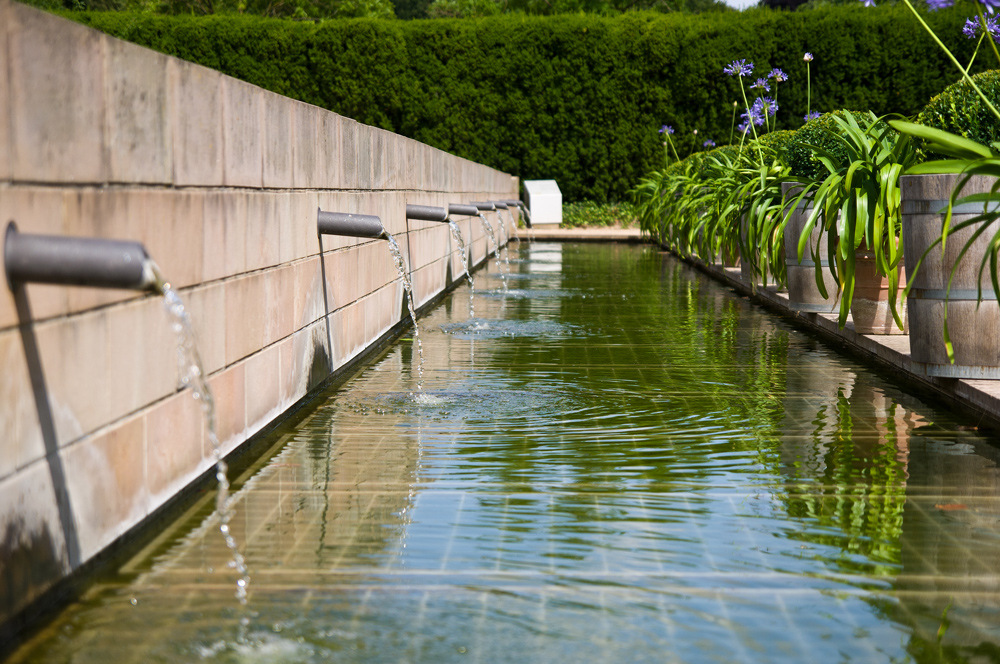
x=221 y=181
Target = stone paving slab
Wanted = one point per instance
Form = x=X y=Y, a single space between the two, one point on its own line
x=980 y=398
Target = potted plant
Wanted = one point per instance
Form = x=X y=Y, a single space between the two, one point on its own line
x=952 y=232
x=858 y=205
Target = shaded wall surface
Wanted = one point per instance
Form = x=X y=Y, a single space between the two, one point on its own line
x=221 y=181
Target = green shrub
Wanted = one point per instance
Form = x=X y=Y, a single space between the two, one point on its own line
x=575 y=98
x=961 y=111
x=778 y=141
x=798 y=154
x=589 y=213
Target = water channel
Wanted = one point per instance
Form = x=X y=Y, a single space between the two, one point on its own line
x=618 y=461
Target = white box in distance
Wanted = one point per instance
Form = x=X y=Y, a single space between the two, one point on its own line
x=544 y=201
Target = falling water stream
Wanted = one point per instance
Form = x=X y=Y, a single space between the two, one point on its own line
x=496 y=248
x=397 y=258
x=192 y=375
x=457 y=234
x=513 y=223
x=506 y=240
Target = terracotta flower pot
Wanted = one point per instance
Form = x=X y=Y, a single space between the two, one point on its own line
x=870 y=309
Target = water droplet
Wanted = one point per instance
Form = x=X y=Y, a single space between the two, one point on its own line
x=134 y=601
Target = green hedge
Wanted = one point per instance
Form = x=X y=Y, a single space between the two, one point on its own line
x=577 y=98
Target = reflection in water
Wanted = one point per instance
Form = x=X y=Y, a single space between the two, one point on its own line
x=640 y=466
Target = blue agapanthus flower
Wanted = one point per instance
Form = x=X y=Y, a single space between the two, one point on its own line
x=993 y=27
x=868 y=3
x=765 y=106
x=708 y=144
x=744 y=126
x=666 y=129
x=812 y=116
x=754 y=115
x=935 y=5
x=742 y=67
x=778 y=75
x=761 y=84
x=990 y=5
x=972 y=27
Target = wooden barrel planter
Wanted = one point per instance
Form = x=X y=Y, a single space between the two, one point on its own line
x=803 y=293
x=974 y=329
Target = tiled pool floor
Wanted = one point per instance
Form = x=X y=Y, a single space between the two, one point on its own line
x=618 y=461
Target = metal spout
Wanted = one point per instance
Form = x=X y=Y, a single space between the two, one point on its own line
x=426 y=213
x=455 y=210
x=77 y=261
x=500 y=205
x=484 y=207
x=351 y=225
x=520 y=204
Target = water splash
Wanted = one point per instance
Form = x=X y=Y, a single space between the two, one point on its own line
x=496 y=247
x=506 y=240
x=527 y=222
x=397 y=258
x=513 y=224
x=192 y=375
x=457 y=234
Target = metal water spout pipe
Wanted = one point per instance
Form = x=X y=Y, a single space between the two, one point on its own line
x=426 y=213
x=484 y=207
x=520 y=204
x=457 y=210
x=351 y=225
x=77 y=261
x=500 y=205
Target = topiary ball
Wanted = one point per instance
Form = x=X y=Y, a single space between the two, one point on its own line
x=961 y=111
x=798 y=155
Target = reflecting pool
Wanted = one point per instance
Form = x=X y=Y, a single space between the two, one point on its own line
x=618 y=460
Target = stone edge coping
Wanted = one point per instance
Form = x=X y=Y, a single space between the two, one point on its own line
x=978 y=398
x=583 y=234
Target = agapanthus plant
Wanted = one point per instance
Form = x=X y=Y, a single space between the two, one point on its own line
x=666 y=131
x=975 y=27
x=741 y=69
x=858 y=203
x=808 y=57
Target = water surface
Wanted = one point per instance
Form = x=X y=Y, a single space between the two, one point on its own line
x=618 y=460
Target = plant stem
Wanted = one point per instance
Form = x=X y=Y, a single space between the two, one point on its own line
x=951 y=57
x=808 y=92
x=753 y=128
x=982 y=23
x=976 y=52
x=775 y=102
x=671 y=142
x=732 y=128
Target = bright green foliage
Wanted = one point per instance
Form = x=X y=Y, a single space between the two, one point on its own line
x=588 y=213
x=822 y=132
x=575 y=98
x=959 y=110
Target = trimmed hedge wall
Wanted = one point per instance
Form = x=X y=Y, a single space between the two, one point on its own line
x=577 y=98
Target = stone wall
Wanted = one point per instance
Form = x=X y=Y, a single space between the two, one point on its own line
x=221 y=181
